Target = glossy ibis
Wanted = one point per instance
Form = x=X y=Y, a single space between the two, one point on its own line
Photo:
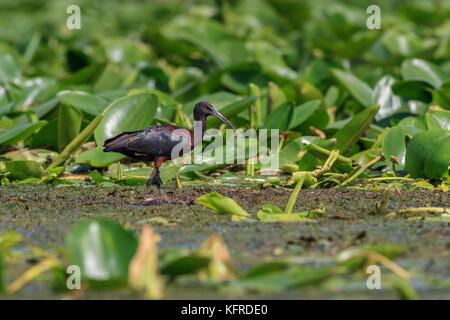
x=156 y=143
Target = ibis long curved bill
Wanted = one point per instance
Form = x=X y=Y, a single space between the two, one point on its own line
x=216 y=114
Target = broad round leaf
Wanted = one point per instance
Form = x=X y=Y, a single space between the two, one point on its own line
x=418 y=69
x=438 y=120
x=428 y=154
x=394 y=143
x=129 y=113
x=102 y=249
x=84 y=101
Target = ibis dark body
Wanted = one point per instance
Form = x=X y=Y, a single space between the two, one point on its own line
x=157 y=143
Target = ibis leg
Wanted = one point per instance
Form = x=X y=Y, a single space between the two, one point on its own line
x=150 y=179
x=159 y=183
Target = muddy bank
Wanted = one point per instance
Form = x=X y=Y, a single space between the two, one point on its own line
x=43 y=214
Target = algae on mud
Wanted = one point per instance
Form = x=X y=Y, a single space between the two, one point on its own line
x=44 y=214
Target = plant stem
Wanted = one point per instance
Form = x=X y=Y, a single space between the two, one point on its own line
x=293 y=198
x=360 y=171
x=76 y=143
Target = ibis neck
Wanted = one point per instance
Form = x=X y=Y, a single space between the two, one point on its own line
x=202 y=119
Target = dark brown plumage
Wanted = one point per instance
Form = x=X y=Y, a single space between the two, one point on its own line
x=157 y=143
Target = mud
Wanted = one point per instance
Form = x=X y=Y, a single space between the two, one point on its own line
x=44 y=214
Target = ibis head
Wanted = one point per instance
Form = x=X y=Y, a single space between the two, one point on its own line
x=203 y=109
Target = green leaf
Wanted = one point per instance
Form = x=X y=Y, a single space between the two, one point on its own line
x=280 y=117
x=102 y=249
x=22 y=169
x=438 y=120
x=69 y=124
x=394 y=143
x=84 y=101
x=354 y=129
x=412 y=89
x=220 y=204
x=76 y=143
x=384 y=97
x=20 y=132
x=285 y=279
x=418 y=69
x=303 y=112
x=357 y=88
x=47 y=136
x=97 y=158
x=185 y=265
x=9 y=70
x=97 y=177
x=129 y=113
x=282 y=217
x=428 y=154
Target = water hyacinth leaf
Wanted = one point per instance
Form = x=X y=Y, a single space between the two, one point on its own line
x=383 y=96
x=364 y=157
x=189 y=264
x=394 y=143
x=20 y=132
x=354 y=129
x=418 y=69
x=357 y=88
x=76 y=143
x=47 y=136
x=271 y=59
x=412 y=89
x=438 y=120
x=280 y=118
x=97 y=158
x=89 y=103
x=428 y=154
x=129 y=113
x=97 y=177
x=441 y=97
x=102 y=249
x=126 y=50
x=417 y=122
x=282 y=217
x=294 y=277
x=9 y=70
x=69 y=124
x=40 y=156
x=266 y=268
x=22 y=169
x=220 y=204
x=331 y=96
x=303 y=112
